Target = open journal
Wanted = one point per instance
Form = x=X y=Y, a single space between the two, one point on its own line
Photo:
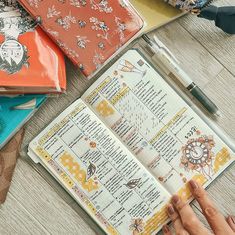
x=127 y=145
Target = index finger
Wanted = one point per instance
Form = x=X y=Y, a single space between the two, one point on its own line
x=214 y=217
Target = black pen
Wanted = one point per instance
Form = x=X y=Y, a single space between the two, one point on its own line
x=168 y=63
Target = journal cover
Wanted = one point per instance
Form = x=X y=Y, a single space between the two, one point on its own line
x=29 y=61
x=14 y=112
x=155 y=12
x=89 y=32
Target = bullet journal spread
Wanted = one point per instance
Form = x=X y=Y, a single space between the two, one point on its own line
x=127 y=146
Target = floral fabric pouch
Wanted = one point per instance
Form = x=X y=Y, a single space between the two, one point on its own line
x=193 y=6
x=224 y=17
x=89 y=32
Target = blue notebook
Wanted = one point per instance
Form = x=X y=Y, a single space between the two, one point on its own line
x=15 y=112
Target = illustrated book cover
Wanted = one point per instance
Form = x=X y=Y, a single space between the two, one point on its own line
x=29 y=61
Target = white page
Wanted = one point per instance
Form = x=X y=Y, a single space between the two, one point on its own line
x=100 y=173
x=164 y=133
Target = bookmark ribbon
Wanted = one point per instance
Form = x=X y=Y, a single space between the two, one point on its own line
x=8 y=158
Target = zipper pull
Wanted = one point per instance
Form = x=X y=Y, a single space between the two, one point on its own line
x=224 y=17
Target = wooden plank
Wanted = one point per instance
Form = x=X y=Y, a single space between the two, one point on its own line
x=218 y=43
x=193 y=57
x=50 y=180
x=44 y=204
x=221 y=89
x=15 y=219
x=222 y=190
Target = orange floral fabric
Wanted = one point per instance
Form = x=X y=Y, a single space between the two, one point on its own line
x=89 y=32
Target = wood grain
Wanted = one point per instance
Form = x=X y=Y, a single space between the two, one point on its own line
x=219 y=44
x=15 y=219
x=44 y=204
x=38 y=203
x=197 y=61
x=221 y=89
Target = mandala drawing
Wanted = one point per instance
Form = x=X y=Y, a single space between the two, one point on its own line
x=198 y=155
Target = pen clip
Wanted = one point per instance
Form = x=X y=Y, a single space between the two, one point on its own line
x=163 y=47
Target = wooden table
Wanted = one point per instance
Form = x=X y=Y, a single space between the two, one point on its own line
x=36 y=204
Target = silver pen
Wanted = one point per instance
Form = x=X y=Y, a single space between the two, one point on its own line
x=169 y=65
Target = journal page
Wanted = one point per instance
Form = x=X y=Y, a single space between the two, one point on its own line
x=101 y=173
x=157 y=125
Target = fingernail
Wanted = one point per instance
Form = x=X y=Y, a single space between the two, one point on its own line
x=170 y=209
x=210 y=211
x=165 y=229
x=193 y=184
x=232 y=218
x=175 y=199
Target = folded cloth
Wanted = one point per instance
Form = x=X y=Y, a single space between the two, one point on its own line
x=8 y=157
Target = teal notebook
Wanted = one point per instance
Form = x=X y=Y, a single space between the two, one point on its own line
x=15 y=112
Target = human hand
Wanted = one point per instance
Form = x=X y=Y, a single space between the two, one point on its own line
x=185 y=221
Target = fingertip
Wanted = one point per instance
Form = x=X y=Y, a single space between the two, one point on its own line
x=170 y=210
x=175 y=199
x=193 y=185
x=166 y=230
x=197 y=190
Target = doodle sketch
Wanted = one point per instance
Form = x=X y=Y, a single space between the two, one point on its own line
x=128 y=67
x=137 y=226
x=133 y=183
x=14 y=21
x=137 y=115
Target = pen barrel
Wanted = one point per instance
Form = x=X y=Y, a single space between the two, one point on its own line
x=203 y=99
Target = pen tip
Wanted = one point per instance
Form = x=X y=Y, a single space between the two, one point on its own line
x=218 y=114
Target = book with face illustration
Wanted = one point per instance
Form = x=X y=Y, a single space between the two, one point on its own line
x=128 y=145
x=15 y=112
x=97 y=29
x=29 y=60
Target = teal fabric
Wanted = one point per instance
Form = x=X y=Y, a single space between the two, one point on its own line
x=12 y=120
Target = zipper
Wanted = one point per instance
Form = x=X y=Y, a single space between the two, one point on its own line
x=207 y=4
